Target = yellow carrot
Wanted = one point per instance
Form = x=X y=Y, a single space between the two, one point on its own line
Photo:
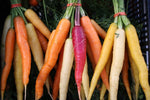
x=18 y=72
x=105 y=54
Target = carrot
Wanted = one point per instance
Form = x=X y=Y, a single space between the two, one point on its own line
x=105 y=54
x=85 y=80
x=103 y=88
x=55 y=47
x=101 y=32
x=136 y=54
x=9 y=53
x=49 y=43
x=7 y=25
x=33 y=2
x=42 y=39
x=135 y=76
x=37 y=22
x=67 y=63
x=117 y=62
x=21 y=36
x=125 y=74
x=82 y=93
x=79 y=47
x=57 y=76
x=35 y=46
x=95 y=44
x=18 y=72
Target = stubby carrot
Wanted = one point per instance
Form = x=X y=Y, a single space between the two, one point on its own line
x=42 y=39
x=55 y=47
x=95 y=44
x=37 y=22
x=22 y=41
x=105 y=54
x=117 y=62
x=67 y=63
x=18 y=72
x=101 y=32
x=125 y=74
x=55 y=90
x=9 y=53
x=7 y=25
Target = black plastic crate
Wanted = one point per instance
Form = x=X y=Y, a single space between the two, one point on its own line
x=139 y=10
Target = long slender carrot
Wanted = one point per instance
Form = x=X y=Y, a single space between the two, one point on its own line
x=18 y=72
x=125 y=74
x=9 y=53
x=21 y=36
x=95 y=44
x=37 y=22
x=42 y=39
x=49 y=43
x=35 y=46
x=7 y=25
x=66 y=65
x=55 y=90
x=55 y=47
x=117 y=62
x=101 y=32
x=105 y=54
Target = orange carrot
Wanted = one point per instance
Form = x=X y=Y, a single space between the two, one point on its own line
x=37 y=22
x=49 y=43
x=9 y=53
x=21 y=36
x=54 y=49
x=42 y=39
x=33 y=2
x=101 y=32
x=125 y=74
x=57 y=76
x=95 y=44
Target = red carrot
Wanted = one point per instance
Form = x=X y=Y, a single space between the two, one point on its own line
x=79 y=45
x=57 y=76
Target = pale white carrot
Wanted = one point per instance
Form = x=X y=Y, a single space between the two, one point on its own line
x=85 y=80
x=117 y=62
x=18 y=73
x=67 y=63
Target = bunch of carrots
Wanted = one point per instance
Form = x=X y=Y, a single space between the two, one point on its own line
x=67 y=47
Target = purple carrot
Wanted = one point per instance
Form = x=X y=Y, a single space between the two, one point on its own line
x=79 y=45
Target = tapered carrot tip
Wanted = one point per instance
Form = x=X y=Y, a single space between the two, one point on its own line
x=50 y=95
x=25 y=91
x=2 y=95
x=79 y=94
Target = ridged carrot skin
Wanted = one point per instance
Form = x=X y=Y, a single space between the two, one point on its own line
x=136 y=54
x=79 y=46
x=22 y=41
x=66 y=65
x=125 y=74
x=56 y=45
x=42 y=39
x=105 y=54
x=18 y=72
x=95 y=44
x=37 y=22
x=57 y=76
x=101 y=32
x=9 y=53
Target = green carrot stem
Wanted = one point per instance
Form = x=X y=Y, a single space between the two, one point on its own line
x=44 y=7
x=124 y=18
x=72 y=22
x=115 y=3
